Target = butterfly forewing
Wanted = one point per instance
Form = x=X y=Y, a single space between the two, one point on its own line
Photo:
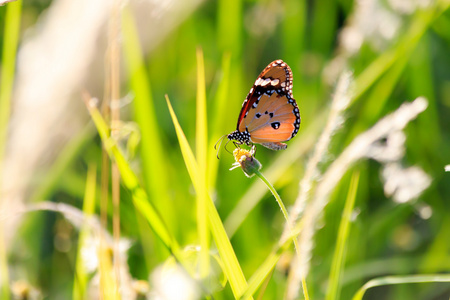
x=269 y=114
x=276 y=76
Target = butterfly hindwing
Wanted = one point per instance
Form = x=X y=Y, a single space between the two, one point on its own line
x=277 y=125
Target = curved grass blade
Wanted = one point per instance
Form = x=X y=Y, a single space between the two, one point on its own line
x=404 y=48
x=140 y=198
x=8 y=64
x=151 y=145
x=202 y=159
x=269 y=263
x=81 y=277
x=220 y=120
x=231 y=266
x=390 y=280
x=339 y=251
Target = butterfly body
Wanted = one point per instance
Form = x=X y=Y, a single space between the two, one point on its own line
x=269 y=114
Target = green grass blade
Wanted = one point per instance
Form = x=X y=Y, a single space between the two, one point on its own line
x=403 y=49
x=201 y=126
x=288 y=222
x=232 y=269
x=382 y=90
x=11 y=38
x=62 y=163
x=342 y=239
x=202 y=159
x=154 y=169
x=152 y=155
x=140 y=198
x=261 y=274
x=231 y=266
x=230 y=41
x=390 y=280
x=81 y=277
x=323 y=27
x=188 y=155
x=8 y=64
x=220 y=120
x=294 y=24
x=438 y=251
x=269 y=263
x=230 y=26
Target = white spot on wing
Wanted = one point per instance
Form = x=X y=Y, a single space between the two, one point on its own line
x=265 y=82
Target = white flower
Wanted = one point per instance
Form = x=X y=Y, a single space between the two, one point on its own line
x=404 y=184
x=171 y=282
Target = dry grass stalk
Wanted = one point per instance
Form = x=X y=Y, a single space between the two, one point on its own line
x=362 y=146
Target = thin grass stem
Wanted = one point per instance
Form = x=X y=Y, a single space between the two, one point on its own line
x=114 y=56
x=342 y=239
x=8 y=66
x=81 y=278
x=390 y=280
x=202 y=159
x=288 y=222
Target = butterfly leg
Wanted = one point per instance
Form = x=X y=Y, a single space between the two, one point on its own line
x=253 y=150
x=237 y=144
x=226 y=149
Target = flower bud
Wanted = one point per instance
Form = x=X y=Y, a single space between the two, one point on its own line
x=245 y=159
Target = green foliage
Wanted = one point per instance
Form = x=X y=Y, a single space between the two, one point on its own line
x=177 y=195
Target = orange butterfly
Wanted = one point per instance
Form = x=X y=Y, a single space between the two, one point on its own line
x=269 y=114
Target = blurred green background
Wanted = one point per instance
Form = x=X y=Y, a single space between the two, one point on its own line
x=397 y=51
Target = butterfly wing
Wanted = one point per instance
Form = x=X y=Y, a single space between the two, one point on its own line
x=270 y=113
x=276 y=76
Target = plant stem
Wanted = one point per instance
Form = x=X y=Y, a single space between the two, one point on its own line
x=286 y=217
x=341 y=243
x=8 y=65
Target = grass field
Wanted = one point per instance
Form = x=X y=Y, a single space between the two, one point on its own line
x=111 y=187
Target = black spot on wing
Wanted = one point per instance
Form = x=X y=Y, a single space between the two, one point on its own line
x=275 y=125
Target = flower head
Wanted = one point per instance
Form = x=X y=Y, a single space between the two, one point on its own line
x=245 y=159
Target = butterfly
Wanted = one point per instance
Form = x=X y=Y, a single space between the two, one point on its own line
x=269 y=114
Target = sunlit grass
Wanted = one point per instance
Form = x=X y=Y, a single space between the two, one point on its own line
x=82 y=277
x=8 y=64
x=179 y=204
x=231 y=266
x=391 y=280
x=333 y=291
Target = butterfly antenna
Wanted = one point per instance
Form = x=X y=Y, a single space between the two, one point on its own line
x=220 y=144
x=219 y=140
